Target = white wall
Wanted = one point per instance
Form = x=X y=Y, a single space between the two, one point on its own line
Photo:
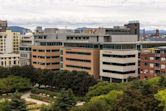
x=118 y=60
x=124 y=38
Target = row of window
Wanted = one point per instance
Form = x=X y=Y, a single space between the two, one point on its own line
x=77 y=38
x=118 y=72
x=9 y=58
x=118 y=46
x=46 y=57
x=78 y=53
x=78 y=60
x=81 y=45
x=9 y=62
x=118 y=56
x=41 y=63
x=119 y=64
x=155 y=58
x=55 y=50
x=152 y=65
x=51 y=43
x=79 y=67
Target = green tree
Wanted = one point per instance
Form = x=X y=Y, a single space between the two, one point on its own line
x=14 y=83
x=100 y=103
x=79 y=82
x=17 y=104
x=138 y=97
x=162 y=81
x=64 y=101
x=4 y=72
x=104 y=88
x=161 y=96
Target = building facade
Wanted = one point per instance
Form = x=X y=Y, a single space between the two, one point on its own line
x=16 y=42
x=153 y=62
x=9 y=60
x=118 y=62
x=27 y=41
x=46 y=55
x=9 y=42
x=81 y=57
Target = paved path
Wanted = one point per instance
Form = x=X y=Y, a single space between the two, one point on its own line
x=26 y=96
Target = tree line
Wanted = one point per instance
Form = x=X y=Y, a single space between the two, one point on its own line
x=78 y=82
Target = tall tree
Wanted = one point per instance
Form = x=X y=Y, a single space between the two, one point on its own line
x=65 y=101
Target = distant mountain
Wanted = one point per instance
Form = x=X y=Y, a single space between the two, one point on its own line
x=19 y=29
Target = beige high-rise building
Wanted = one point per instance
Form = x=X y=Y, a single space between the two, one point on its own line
x=16 y=41
x=9 y=42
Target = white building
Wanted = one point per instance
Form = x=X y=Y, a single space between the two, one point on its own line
x=25 y=49
x=9 y=60
x=118 y=61
x=6 y=42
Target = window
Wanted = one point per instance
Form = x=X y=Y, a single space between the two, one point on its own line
x=151 y=58
x=118 y=56
x=78 y=67
x=151 y=71
x=79 y=53
x=14 y=62
x=119 y=64
x=151 y=65
x=48 y=50
x=146 y=64
x=162 y=59
x=78 y=60
x=163 y=66
x=118 y=72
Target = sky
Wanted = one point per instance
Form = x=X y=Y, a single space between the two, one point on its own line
x=83 y=13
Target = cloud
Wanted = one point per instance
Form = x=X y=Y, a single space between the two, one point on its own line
x=76 y=13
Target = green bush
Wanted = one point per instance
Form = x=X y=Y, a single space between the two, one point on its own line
x=44 y=91
x=41 y=98
x=14 y=83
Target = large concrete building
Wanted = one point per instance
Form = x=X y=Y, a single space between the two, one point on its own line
x=112 y=54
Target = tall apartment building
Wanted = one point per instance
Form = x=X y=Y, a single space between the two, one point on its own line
x=27 y=41
x=46 y=55
x=3 y=26
x=81 y=57
x=153 y=62
x=16 y=41
x=9 y=42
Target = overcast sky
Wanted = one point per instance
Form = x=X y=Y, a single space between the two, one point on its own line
x=81 y=13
